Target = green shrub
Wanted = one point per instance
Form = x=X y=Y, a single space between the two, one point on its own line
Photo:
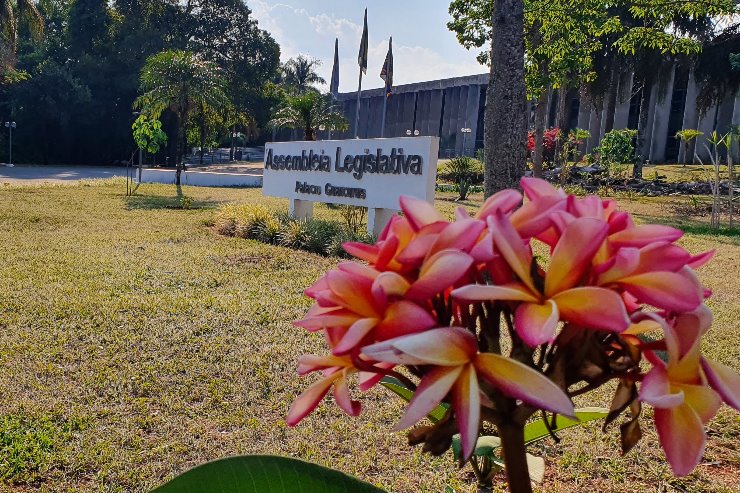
x=464 y=171
x=616 y=147
x=257 y=222
x=244 y=221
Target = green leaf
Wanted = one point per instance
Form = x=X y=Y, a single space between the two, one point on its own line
x=537 y=430
x=533 y=432
x=484 y=447
x=264 y=474
x=398 y=388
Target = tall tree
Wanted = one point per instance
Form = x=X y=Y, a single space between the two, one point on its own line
x=226 y=32
x=506 y=119
x=180 y=81
x=12 y=14
x=299 y=74
x=309 y=112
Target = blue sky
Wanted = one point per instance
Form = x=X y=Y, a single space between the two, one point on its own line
x=423 y=48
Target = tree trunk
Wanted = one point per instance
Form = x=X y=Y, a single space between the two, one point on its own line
x=231 y=150
x=611 y=97
x=540 y=117
x=642 y=128
x=202 y=132
x=562 y=124
x=180 y=149
x=515 y=457
x=505 y=118
x=599 y=109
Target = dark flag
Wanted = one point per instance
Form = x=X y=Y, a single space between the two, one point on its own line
x=386 y=73
x=334 y=86
x=362 y=57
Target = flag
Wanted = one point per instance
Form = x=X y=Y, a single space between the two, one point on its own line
x=362 y=57
x=386 y=73
x=334 y=86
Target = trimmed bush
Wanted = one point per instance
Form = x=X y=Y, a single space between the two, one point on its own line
x=257 y=222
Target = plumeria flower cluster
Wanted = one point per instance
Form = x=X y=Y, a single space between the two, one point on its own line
x=532 y=301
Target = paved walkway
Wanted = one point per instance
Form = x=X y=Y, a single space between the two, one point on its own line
x=57 y=174
x=70 y=174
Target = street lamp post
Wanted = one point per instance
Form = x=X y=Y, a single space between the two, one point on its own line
x=465 y=131
x=10 y=126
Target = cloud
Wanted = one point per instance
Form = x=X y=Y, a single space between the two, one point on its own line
x=299 y=31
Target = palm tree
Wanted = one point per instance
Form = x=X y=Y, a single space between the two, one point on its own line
x=309 y=111
x=180 y=81
x=11 y=14
x=300 y=73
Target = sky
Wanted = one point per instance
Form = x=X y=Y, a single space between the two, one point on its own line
x=423 y=48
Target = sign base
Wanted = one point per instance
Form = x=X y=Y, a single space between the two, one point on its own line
x=377 y=219
x=301 y=209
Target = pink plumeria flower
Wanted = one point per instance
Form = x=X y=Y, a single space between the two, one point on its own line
x=455 y=369
x=680 y=392
x=541 y=308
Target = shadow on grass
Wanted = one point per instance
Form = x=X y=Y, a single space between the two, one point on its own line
x=178 y=201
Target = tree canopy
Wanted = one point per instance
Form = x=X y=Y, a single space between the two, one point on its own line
x=71 y=90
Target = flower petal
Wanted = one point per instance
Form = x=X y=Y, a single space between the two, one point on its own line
x=643 y=235
x=504 y=201
x=402 y=318
x=624 y=263
x=336 y=318
x=663 y=257
x=448 y=346
x=535 y=188
x=460 y=235
x=352 y=292
x=435 y=385
x=506 y=292
x=592 y=307
x=362 y=251
x=419 y=212
x=512 y=248
x=420 y=245
x=573 y=254
x=705 y=401
x=391 y=283
x=438 y=273
x=656 y=390
x=536 y=323
x=466 y=402
x=724 y=380
x=309 y=399
x=519 y=381
x=698 y=261
x=681 y=434
x=342 y=397
x=671 y=291
x=354 y=336
x=535 y=217
x=309 y=363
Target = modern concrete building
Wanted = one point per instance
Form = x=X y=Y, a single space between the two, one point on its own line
x=445 y=107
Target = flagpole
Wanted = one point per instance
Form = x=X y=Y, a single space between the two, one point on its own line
x=382 y=121
x=357 y=114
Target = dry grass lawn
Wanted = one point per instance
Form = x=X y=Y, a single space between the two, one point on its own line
x=136 y=343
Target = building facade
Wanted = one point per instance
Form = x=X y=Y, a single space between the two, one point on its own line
x=453 y=109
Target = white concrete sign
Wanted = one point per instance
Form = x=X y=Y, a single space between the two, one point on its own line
x=371 y=173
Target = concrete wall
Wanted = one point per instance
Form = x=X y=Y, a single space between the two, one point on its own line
x=443 y=107
x=201 y=178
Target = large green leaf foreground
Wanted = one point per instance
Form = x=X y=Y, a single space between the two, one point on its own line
x=264 y=474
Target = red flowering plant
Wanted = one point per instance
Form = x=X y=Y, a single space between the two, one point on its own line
x=549 y=142
x=465 y=314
